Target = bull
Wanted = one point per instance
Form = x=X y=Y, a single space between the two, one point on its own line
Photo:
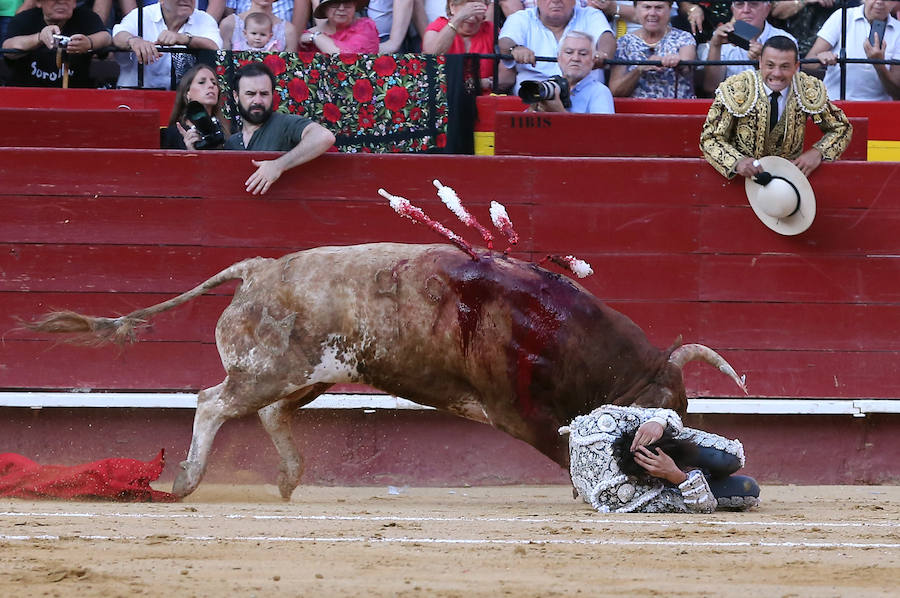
x=480 y=334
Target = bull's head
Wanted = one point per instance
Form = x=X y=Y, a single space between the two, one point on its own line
x=667 y=387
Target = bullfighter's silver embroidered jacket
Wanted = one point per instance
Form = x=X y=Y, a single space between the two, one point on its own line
x=596 y=475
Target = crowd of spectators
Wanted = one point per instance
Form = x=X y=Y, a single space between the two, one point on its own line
x=530 y=31
x=642 y=30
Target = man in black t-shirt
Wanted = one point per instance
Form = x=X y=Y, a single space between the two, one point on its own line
x=33 y=31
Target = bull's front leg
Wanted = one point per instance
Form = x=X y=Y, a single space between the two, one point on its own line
x=207 y=421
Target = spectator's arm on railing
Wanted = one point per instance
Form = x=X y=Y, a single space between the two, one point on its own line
x=145 y=51
x=26 y=43
x=300 y=19
x=606 y=48
x=715 y=74
x=403 y=10
x=821 y=50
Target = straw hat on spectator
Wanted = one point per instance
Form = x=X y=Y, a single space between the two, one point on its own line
x=319 y=13
x=781 y=196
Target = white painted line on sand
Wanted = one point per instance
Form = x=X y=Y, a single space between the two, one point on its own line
x=561 y=521
x=467 y=541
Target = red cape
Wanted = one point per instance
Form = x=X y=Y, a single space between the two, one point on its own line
x=124 y=480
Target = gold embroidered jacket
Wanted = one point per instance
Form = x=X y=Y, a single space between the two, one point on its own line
x=737 y=125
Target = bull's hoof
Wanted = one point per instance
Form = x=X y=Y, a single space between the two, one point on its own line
x=286 y=484
x=187 y=479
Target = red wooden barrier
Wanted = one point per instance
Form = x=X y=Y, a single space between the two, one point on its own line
x=42 y=127
x=104 y=99
x=673 y=244
x=648 y=135
x=883 y=121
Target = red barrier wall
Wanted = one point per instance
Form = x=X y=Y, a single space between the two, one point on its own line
x=650 y=135
x=111 y=128
x=104 y=99
x=673 y=245
x=883 y=121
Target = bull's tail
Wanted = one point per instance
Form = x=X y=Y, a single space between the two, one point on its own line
x=90 y=330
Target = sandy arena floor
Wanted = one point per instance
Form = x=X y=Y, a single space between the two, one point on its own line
x=515 y=541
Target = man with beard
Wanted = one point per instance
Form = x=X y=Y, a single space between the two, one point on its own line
x=267 y=131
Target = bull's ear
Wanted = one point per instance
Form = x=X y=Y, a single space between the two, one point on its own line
x=674 y=345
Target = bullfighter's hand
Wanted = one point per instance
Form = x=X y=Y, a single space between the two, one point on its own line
x=748 y=167
x=648 y=433
x=523 y=55
x=145 y=51
x=659 y=465
x=808 y=161
x=267 y=172
x=46 y=36
x=78 y=44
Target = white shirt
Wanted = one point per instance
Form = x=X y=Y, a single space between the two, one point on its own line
x=862 y=80
x=525 y=28
x=589 y=96
x=158 y=74
x=732 y=52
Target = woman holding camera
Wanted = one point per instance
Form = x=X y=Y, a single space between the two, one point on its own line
x=199 y=84
x=655 y=40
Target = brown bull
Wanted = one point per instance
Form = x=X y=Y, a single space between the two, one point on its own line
x=492 y=339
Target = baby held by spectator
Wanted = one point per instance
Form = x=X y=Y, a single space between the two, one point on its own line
x=258 y=32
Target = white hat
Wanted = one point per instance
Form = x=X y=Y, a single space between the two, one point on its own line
x=783 y=200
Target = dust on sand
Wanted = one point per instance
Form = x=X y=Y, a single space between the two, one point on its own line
x=515 y=541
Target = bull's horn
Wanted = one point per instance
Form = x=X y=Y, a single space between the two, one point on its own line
x=686 y=353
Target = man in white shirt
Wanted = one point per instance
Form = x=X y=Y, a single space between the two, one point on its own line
x=168 y=23
x=754 y=12
x=587 y=94
x=866 y=82
x=538 y=31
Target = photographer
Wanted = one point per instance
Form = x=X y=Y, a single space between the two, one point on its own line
x=41 y=31
x=586 y=94
x=197 y=86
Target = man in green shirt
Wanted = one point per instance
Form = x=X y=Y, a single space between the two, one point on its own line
x=265 y=130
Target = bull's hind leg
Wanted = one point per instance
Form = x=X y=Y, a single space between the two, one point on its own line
x=276 y=419
x=215 y=406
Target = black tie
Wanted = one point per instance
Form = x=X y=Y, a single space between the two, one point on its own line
x=773 y=109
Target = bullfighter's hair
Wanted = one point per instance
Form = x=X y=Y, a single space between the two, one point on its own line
x=682 y=452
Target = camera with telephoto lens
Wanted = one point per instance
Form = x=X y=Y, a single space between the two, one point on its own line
x=62 y=41
x=533 y=92
x=211 y=134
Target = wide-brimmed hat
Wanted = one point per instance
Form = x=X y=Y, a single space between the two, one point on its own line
x=781 y=196
x=319 y=13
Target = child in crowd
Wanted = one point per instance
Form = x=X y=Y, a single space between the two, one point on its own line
x=258 y=32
